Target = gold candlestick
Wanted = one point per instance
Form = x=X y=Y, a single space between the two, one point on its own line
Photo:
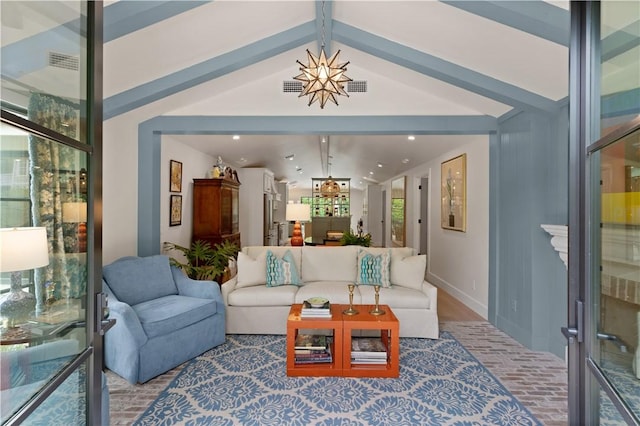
x=377 y=310
x=351 y=310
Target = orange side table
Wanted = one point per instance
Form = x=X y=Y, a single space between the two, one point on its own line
x=389 y=327
x=295 y=323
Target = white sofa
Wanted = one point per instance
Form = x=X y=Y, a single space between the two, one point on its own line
x=255 y=308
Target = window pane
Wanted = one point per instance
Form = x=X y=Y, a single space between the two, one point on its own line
x=44 y=52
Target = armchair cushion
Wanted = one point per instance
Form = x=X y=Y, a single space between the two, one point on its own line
x=166 y=314
x=135 y=280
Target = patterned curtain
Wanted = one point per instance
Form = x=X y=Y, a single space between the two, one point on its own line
x=51 y=164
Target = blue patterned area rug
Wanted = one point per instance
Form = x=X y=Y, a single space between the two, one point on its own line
x=244 y=382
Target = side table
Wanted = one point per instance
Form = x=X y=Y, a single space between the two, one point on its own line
x=295 y=323
x=389 y=328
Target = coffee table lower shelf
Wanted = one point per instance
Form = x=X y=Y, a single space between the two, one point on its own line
x=342 y=327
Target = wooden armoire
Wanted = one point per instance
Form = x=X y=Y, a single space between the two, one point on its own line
x=216 y=210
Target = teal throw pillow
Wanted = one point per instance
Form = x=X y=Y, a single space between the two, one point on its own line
x=374 y=269
x=281 y=271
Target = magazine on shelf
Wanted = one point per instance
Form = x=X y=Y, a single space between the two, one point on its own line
x=309 y=311
x=377 y=361
x=314 y=356
x=368 y=347
x=311 y=341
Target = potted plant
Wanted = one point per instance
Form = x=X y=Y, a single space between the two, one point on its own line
x=351 y=239
x=204 y=262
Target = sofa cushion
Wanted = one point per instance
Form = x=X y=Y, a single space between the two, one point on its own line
x=137 y=279
x=373 y=269
x=395 y=297
x=409 y=271
x=335 y=291
x=281 y=271
x=329 y=263
x=262 y=295
x=251 y=271
x=166 y=314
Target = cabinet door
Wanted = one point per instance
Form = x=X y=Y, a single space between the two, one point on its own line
x=226 y=210
x=235 y=211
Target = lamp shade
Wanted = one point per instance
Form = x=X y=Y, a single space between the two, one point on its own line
x=74 y=212
x=23 y=248
x=298 y=212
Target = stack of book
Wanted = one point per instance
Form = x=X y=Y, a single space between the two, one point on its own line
x=309 y=311
x=312 y=349
x=366 y=350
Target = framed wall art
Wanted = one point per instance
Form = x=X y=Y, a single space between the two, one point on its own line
x=175 y=210
x=453 y=176
x=175 y=176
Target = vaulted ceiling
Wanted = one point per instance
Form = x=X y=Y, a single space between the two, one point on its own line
x=454 y=66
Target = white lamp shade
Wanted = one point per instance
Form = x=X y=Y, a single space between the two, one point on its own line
x=74 y=212
x=298 y=212
x=23 y=248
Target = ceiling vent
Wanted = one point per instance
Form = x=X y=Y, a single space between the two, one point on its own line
x=295 y=86
x=357 y=86
x=64 y=61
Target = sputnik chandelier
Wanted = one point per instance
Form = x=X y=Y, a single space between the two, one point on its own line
x=323 y=78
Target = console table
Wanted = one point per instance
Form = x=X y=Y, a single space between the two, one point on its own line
x=342 y=327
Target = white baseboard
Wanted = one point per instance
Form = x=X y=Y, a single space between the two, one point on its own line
x=463 y=297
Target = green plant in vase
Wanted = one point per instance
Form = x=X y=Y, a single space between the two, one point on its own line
x=203 y=261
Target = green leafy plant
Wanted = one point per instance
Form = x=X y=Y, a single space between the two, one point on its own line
x=204 y=262
x=351 y=239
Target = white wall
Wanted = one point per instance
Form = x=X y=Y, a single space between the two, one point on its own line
x=458 y=261
x=195 y=164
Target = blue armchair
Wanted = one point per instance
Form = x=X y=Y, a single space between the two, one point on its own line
x=163 y=318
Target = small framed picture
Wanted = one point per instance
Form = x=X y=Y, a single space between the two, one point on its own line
x=175 y=212
x=175 y=176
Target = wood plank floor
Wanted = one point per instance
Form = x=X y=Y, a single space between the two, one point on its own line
x=451 y=309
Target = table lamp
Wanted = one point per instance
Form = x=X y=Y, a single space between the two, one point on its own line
x=21 y=249
x=77 y=213
x=298 y=213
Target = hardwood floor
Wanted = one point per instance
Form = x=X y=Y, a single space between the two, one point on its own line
x=451 y=309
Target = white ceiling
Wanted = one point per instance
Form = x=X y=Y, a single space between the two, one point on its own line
x=486 y=57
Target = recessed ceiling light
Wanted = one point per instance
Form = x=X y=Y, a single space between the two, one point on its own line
x=290 y=157
x=411 y=138
x=236 y=137
x=371 y=173
x=379 y=164
x=405 y=161
x=242 y=160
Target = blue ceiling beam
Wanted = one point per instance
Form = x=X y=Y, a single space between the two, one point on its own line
x=537 y=18
x=209 y=70
x=324 y=22
x=440 y=69
x=324 y=125
x=620 y=41
x=125 y=17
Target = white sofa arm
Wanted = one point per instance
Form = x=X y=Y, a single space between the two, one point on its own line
x=432 y=292
x=227 y=287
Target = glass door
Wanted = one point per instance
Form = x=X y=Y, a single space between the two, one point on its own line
x=604 y=225
x=50 y=150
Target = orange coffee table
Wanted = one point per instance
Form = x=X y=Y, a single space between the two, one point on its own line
x=343 y=326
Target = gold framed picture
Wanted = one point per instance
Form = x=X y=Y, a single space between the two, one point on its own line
x=453 y=176
x=175 y=210
x=175 y=176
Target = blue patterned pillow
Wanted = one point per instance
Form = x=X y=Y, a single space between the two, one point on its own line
x=374 y=269
x=281 y=271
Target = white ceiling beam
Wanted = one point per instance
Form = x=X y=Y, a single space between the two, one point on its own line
x=440 y=69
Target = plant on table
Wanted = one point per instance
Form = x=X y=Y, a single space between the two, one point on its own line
x=351 y=239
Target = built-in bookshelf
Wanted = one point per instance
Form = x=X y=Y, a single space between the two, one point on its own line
x=335 y=204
